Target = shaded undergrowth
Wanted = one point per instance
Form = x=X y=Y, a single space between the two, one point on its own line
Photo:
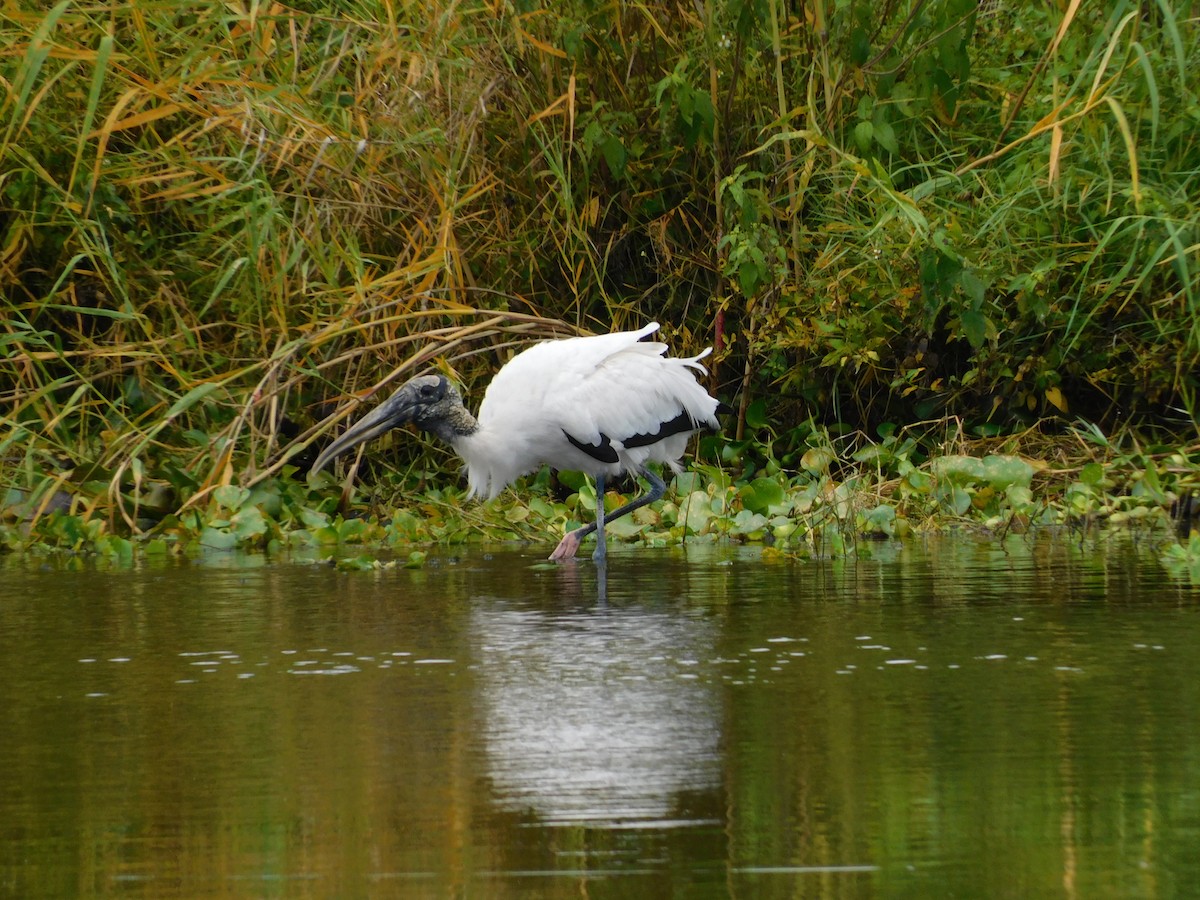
x=840 y=497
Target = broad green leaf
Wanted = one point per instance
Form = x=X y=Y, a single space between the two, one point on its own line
x=886 y=136
x=231 y=496
x=974 y=327
x=351 y=529
x=864 y=133
x=249 y=524
x=1000 y=471
x=960 y=500
x=919 y=481
x=763 y=495
x=542 y=507
x=880 y=520
x=686 y=482
x=218 y=540
x=958 y=469
x=756 y=414
x=747 y=522
x=624 y=527
x=573 y=480
x=698 y=510
x=361 y=563
x=312 y=518
x=817 y=460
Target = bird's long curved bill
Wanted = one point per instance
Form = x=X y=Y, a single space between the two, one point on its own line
x=394 y=411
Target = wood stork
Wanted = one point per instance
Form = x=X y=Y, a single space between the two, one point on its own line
x=604 y=405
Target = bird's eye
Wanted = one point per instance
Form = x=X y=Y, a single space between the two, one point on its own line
x=428 y=391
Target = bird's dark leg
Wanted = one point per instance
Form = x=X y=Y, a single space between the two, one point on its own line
x=657 y=488
x=601 y=550
x=566 y=549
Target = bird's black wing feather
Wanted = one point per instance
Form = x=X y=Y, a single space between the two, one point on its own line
x=604 y=452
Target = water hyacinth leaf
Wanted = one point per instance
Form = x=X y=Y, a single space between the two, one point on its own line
x=747 y=522
x=351 y=529
x=646 y=516
x=1092 y=474
x=686 y=482
x=539 y=506
x=806 y=498
x=919 y=481
x=763 y=495
x=267 y=498
x=1182 y=560
x=574 y=480
x=587 y=497
x=844 y=496
x=756 y=414
x=302 y=539
x=231 y=496
x=1149 y=485
x=880 y=520
x=1020 y=498
x=956 y=498
x=624 y=527
x=959 y=469
x=718 y=478
x=215 y=539
x=1001 y=471
x=325 y=535
x=871 y=453
x=313 y=518
x=782 y=528
x=249 y=524
x=817 y=460
x=115 y=548
x=698 y=511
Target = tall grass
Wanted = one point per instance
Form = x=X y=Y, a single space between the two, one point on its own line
x=215 y=220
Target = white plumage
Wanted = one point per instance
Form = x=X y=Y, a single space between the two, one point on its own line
x=612 y=385
x=604 y=405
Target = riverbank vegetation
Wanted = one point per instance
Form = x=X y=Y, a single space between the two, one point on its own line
x=945 y=250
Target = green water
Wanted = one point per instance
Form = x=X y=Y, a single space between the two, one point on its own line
x=957 y=718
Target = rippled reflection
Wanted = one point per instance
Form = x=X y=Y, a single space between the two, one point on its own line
x=597 y=717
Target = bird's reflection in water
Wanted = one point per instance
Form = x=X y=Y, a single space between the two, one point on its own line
x=596 y=716
x=579 y=579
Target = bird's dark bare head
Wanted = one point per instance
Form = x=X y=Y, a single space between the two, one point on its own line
x=430 y=402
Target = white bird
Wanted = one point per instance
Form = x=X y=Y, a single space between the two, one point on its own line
x=604 y=405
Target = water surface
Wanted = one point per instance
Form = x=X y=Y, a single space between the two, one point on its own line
x=952 y=717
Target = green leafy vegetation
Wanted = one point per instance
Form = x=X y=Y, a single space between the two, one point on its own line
x=945 y=252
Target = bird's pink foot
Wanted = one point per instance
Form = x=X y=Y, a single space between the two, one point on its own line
x=566 y=547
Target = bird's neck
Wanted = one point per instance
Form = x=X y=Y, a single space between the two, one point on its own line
x=456 y=426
